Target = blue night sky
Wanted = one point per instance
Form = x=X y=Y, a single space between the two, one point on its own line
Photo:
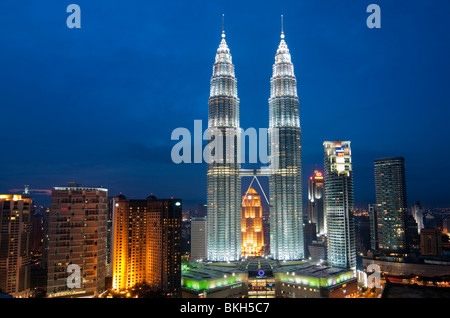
x=97 y=105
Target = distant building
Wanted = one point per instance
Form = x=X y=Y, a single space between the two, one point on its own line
x=412 y=234
x=38 y=233
x=339 y=204
x=252 y=234
x=373 y=227
x=109 y=238
x=16 y=212
x=362 y=233
x=147 y=244
x=316 y=197
x=266 y=231
x=318 y=249
x=310 y=235
x=418 y=214
x=186 y=236
x=390 y=188
x=77 y=236
x=198 y=238
x=202 y=210
x=430 y=242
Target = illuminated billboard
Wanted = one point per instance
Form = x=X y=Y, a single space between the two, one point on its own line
x=340 y=152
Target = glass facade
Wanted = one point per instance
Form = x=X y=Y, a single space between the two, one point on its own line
x=339 y=204
x=390 y=189
x=285 y=181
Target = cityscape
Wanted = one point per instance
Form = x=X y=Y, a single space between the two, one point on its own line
x=276 y=196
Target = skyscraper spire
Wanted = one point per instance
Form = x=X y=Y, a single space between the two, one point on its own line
x=223 y=25
x=285 y=183
x=223 y=179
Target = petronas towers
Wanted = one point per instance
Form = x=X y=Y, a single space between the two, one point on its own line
x=223 y=179
x=224 y=171
x=285 y=183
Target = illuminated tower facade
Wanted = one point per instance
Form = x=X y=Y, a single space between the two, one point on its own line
x=147 y=244
x=15 y=244
x=223 y=179
x=252 y=224
x=390 y=189
x=316 y=211
x=285 y=181
x=339 y=204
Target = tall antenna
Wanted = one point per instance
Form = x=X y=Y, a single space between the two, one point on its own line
x=223 y=25
x=282 y=30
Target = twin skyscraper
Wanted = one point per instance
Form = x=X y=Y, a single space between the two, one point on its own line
x=224 y=176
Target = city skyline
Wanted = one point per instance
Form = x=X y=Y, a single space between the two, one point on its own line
x=127 y=174
x=110 y=79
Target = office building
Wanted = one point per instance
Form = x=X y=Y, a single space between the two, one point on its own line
x=77 y=237
x=147 y=244
x=339 y=204
x=390 y=189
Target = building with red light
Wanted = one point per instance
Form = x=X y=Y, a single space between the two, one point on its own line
x=316 y=211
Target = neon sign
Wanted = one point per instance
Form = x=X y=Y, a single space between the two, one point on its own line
x=340 y=152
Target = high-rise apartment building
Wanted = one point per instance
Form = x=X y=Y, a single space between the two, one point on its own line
x=339 y=204
x=285 y=180
x=316 y=207
x=15 y=244
x=252 y=224
x=77 y=237
x=390 y=189
x=147 y=244
x=223 y=179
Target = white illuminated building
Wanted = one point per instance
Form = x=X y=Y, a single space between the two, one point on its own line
x=285 y=182
x=339 y=204
x=223 y=179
